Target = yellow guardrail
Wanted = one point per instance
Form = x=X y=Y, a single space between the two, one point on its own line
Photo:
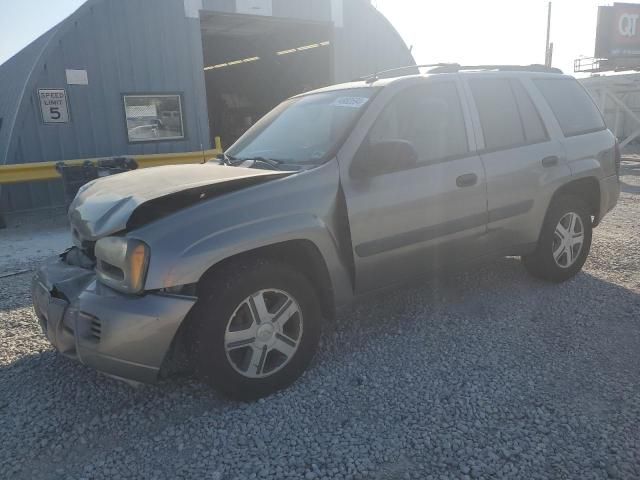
x=33 y=172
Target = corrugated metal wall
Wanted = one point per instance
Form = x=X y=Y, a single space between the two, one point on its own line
x=315 y=10
x=368 y=43
x=626 y=87
x=12 y=78
x=150 y=46
x=133 y=46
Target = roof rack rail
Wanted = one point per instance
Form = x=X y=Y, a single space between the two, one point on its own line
x=456 y=67
x=376 y=76
x=453 y=68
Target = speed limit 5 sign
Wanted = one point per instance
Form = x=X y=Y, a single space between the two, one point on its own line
x=54 y=106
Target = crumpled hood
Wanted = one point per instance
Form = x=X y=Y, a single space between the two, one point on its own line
x=105 y=206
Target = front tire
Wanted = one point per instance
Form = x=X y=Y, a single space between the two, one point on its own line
x=255 y=329
x=565 y=241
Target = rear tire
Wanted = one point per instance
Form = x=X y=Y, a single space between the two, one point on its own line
x=255 y=329
x=565 y=241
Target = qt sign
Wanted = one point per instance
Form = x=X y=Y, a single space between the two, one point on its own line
x=618 y=31
x=54 y=106
x=628 y=25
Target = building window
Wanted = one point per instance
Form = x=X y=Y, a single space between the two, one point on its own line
x=154 y=118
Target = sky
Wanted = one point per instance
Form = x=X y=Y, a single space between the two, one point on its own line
x=22 y=21
x=476 y=32
x=462 y=31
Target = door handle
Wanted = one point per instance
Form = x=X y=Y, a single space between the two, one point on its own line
x=551 y=161
x=468 y=180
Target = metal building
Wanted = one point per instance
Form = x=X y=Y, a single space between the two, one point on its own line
x=618 y=97
x=617 y=50
x=130 y=77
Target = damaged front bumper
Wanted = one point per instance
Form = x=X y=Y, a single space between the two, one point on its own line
x=124 y=336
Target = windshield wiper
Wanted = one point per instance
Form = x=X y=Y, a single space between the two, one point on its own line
x=227 y=159
x=272 y=162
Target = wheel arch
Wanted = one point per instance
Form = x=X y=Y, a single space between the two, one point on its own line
x=587 y=188
x=302 y=255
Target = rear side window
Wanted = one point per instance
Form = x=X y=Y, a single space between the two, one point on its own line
x=428 y=116
x=571 y=104
x=534 y=130
x=498 y=112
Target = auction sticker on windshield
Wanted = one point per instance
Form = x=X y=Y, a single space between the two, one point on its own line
x=351 y=102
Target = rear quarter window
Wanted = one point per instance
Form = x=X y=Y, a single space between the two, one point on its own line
x=575 y=110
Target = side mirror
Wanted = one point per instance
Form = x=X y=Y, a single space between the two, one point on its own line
x=384 y=157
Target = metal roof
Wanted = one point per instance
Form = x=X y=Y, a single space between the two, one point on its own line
x=14 y=77
x=138 y=47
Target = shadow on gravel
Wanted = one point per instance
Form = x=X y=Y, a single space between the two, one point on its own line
x=473 y=334
x=502 y=289
x=15 y=292
x=495 y=290
x=632 y=169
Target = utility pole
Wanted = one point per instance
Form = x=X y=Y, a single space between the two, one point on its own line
x=548 y=55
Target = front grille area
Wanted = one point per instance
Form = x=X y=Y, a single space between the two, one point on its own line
x=87 y=246
x=94 y=330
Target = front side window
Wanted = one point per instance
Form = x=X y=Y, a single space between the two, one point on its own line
x=304 y=130
x=429 y=117
x=152 y=118
x=571 y=104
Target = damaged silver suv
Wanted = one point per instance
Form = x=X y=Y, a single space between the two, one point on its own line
x=234 y=265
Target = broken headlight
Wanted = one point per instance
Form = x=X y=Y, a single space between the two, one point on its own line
x=122 y=263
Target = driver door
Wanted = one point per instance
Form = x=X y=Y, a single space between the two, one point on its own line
x=432 y=215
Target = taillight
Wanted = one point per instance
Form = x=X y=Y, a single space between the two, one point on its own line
x=618 y=157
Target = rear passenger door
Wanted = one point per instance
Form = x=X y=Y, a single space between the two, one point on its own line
x=522 y=161
x=432 y=215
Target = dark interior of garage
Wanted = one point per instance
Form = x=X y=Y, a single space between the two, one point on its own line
x=254 y=63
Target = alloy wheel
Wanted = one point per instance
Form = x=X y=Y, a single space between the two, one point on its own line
x=263 y=333
x=568 y=240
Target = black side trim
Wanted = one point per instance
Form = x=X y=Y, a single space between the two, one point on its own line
x=487 y=151
x=513 y=210
x=376 y=247
x=585 y=132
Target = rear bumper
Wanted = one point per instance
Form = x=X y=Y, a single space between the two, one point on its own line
x=121 y=335
x=609 y=195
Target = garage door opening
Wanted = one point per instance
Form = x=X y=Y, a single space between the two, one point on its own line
x=254 y=63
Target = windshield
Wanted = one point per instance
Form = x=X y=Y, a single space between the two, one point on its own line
x=304 y=130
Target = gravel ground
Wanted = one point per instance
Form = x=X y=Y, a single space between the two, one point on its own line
x=488 y=374
x=30 y=238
